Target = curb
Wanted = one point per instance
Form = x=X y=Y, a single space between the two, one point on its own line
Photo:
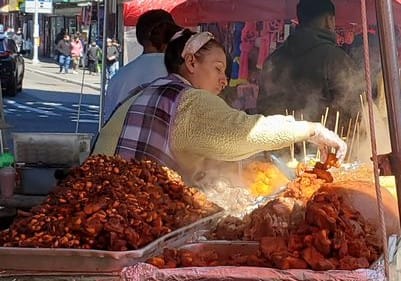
x=62 y=78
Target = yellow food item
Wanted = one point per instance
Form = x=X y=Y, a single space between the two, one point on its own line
x=293 y=163
x=388 y=182
x=263 y=178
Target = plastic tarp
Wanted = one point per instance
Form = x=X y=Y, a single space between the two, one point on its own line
x=194 y=12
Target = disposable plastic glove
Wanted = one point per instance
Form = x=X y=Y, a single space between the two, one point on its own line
x=325 y=140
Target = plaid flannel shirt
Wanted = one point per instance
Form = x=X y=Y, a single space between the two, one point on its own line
x=146 y=130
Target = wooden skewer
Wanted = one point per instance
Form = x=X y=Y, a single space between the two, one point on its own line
x=326 y=115
x=293 y=145
x=337 y=121
x=358 y=139
x=348 y=130
x=318 y=151
x=336 y=127
x=342 y=132
x=304 y=142
x=353 y=138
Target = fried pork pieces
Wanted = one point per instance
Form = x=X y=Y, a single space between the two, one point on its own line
x=332 y=236
x=110 y=204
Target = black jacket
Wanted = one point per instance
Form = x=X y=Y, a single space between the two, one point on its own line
x=112 y=51
x=308 y=73
x=64 y=47
x=93 y=53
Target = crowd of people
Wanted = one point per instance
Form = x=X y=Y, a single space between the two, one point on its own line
x=72 y=52
x=22 y=44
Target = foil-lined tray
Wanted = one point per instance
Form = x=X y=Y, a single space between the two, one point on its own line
x=77 y=260
x=143 y=271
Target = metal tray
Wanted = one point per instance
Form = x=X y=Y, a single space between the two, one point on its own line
x=77 y=260
x=147 y=272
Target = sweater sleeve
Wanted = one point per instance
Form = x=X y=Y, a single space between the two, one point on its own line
x=205 y=125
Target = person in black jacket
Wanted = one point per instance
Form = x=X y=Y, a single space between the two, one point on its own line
x=93 y=57
x=309 y=72
x=64 y=50
x=112 y=55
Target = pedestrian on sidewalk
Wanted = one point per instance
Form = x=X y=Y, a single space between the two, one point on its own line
x=59 y=37
x=118 y=46
x=18 y=39
x=112 y=55
x=76 y=53
x=64 y=50
x=93 y=57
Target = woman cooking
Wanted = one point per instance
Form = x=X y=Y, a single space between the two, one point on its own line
x=179 y=120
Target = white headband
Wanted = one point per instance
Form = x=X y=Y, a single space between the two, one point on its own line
x=196 y=42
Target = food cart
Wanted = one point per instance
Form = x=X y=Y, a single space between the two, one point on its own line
x=55 y=264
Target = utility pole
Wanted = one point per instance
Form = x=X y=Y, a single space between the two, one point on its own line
x=35 y=59
x=104 y=54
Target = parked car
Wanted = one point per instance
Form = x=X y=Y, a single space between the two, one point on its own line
x=12 y=66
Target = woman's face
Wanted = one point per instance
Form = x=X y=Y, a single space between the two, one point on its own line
x=207 y=71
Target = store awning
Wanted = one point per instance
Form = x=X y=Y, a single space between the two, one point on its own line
x=193 y=12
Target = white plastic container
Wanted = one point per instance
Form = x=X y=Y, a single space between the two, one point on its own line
x=51 y=149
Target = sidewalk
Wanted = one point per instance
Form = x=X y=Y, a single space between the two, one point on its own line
x=48 y=67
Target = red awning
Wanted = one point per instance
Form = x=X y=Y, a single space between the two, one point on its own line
x=193 y=12
x=135 y=8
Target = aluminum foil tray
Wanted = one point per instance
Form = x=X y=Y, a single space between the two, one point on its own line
x=147 y=272
x=77 y=260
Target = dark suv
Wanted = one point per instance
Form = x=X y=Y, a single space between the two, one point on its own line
x=11 y=66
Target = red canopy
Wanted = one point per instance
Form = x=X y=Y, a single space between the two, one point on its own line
x=193 y=12
x=135 y=8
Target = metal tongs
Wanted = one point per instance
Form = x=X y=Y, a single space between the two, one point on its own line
x=289 y=173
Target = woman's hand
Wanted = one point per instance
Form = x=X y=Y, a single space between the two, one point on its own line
x=325 y=140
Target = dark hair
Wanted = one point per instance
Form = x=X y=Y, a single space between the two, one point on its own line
x=172 y=57
x=309 y=10
x=148 y=20
x=162 y=33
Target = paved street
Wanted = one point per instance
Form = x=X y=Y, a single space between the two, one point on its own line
x=50 y=102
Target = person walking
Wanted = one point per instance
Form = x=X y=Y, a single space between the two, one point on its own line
x=64 y=50
x=59 y=37
x=18 y=39
x=76 y=53
x=93 y=57
x=112 y=56
x=118 y=46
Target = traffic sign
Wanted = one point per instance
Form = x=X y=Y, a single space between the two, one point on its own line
x=42 y=6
